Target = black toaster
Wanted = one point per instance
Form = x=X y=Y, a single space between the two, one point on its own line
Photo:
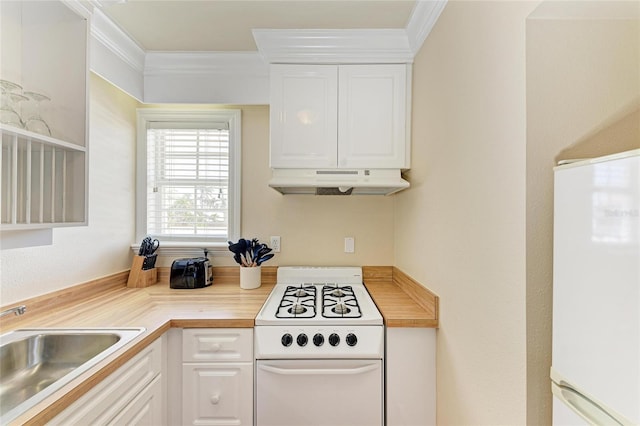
x=191 y=273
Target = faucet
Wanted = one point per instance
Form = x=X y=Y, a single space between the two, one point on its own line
x=18 y=310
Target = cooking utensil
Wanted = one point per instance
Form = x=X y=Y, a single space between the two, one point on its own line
x=250 y=253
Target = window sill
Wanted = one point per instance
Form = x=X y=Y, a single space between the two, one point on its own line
x=178 y=249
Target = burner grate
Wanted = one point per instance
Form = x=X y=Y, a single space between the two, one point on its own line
x=340 y=302
x=298 y=302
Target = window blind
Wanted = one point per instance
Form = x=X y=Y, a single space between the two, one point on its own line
x=188 y=180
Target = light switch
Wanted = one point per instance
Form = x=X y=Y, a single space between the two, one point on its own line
x=349 y=244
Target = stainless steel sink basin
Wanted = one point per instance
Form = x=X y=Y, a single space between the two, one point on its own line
x=34 y=363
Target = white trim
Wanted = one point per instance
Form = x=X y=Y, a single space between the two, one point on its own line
x=155 y=76
x=333 y=46
x=175 y=249
x=233 y=117
x=217 y=63
x=206 y=77
x=104 y=3
x=83 y=9
x=423 y=18
x=104 y=31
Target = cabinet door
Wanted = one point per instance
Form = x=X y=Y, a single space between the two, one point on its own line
x=114 y=394
x=303 y=116
x=411 y=376
x=217 y=394
x=372 y=116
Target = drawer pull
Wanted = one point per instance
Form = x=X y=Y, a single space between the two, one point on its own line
x=215 y=347
x=215 y=399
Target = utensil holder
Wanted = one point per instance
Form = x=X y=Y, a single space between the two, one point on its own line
x=140 y=278
x=250 y=278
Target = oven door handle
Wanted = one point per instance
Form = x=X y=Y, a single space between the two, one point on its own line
x=318 y=371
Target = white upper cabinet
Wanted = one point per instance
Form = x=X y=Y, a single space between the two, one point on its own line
x=372 y=116
x=44 y=73
x=304 y=117
x=339 y=116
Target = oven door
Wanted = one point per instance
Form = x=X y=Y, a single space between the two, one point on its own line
x=324 y=392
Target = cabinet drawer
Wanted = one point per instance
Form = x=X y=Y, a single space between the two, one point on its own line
x=219 y=345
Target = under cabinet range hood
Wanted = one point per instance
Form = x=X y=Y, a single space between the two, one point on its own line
x=338 y=181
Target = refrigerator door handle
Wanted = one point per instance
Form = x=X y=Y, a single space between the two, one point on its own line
x=585 y=407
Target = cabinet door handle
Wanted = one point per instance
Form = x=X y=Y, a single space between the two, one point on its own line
x=215 y=399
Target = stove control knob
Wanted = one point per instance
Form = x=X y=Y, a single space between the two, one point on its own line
x=334 y=339
x=287 y=339
x=351 y=339
x=318 y=339
x=302 y=339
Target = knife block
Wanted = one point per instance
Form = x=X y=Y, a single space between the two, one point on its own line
x=140 y=278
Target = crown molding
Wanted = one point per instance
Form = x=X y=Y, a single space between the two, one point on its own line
x=82 y=8
x=103 y=3
x=333 y=46
x=423 y=18
x=147 y=75
x=104 y=31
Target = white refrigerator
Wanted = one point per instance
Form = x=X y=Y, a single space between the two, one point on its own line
x=595 y=372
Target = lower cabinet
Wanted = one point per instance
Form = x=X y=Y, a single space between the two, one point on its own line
x=217 y=377
x=217 y=394
x=132 y=395
x=411 y=376
x=145 y=409
x=203 y=377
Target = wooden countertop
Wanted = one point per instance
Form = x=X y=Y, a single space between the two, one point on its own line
x=108 y=302
x=402 y=301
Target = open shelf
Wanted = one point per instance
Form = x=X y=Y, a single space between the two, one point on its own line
x=43 y=179
x=43 y=184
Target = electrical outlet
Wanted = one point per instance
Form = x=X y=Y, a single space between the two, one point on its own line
x=275 y=244
x=349 y=244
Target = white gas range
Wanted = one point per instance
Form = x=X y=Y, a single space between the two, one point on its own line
x=319 y=341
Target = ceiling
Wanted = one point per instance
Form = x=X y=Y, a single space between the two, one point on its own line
x=225 y=25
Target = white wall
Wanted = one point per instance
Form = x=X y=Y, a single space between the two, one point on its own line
x=460 y=228
x=80 y=254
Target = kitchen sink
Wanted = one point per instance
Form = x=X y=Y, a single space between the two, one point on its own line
x=34 y=363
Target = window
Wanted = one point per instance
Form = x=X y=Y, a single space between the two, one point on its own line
x=188 y=176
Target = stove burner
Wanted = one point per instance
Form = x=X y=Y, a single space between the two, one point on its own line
x=341 y=309
x=340 y=302
x=337 y=293
x=297 y=302
x=297 y=309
